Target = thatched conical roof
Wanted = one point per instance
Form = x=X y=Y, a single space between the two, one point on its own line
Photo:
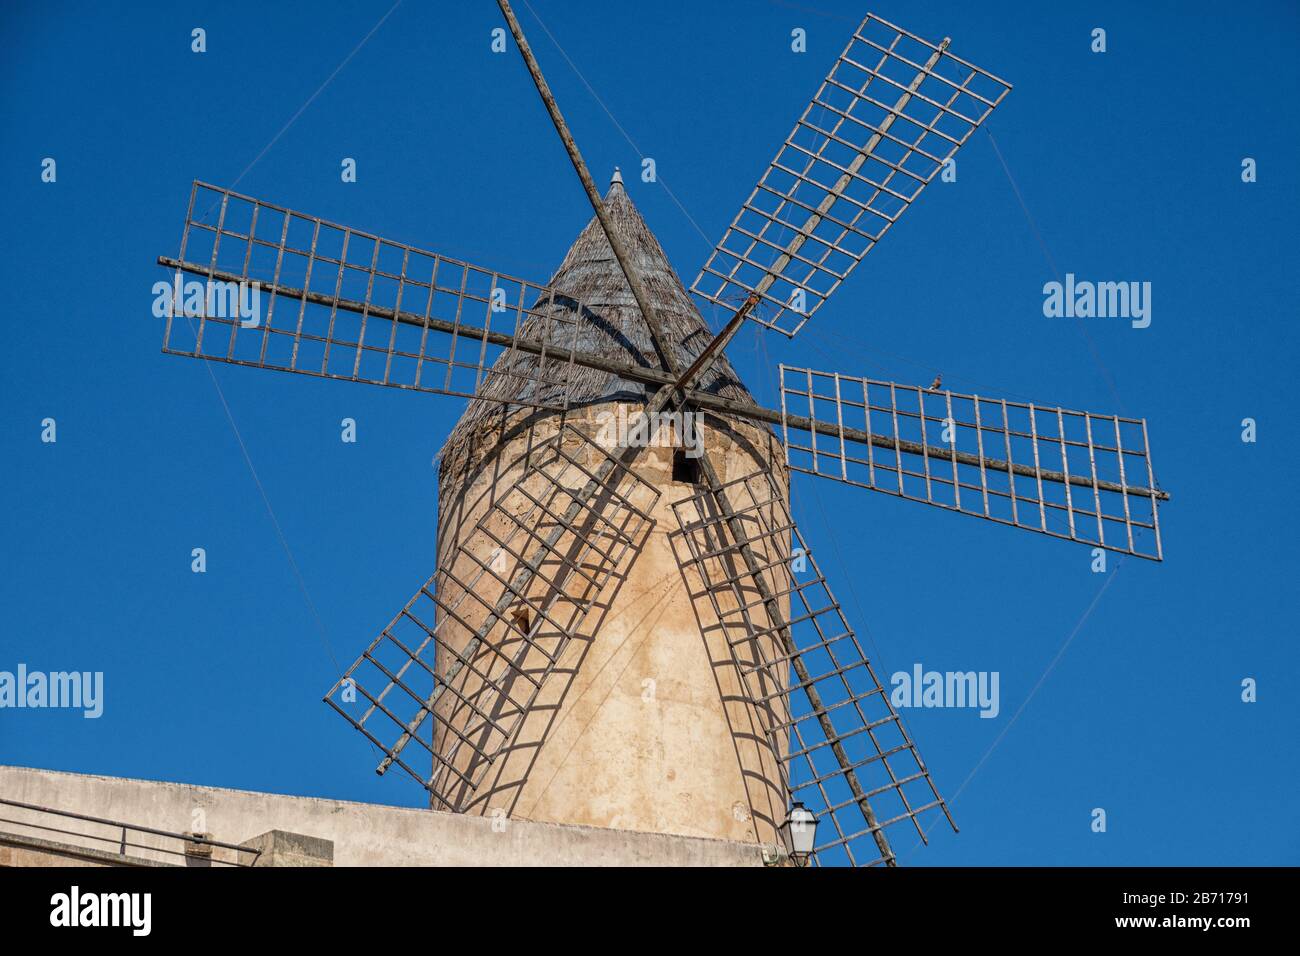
x=611 y=325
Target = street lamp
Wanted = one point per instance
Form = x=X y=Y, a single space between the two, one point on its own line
x=800 y=833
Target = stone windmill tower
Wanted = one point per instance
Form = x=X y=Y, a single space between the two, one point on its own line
x=649 y=728
x=625 y=626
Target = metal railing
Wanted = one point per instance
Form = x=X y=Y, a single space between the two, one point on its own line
x=121 y=839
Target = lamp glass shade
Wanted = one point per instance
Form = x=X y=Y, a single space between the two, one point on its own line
x=802 y=824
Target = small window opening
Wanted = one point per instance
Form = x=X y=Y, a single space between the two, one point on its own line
x=519 y=617
x=686 y=471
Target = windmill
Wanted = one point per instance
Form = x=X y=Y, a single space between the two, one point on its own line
x=621 y=631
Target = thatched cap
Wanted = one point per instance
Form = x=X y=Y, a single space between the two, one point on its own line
x=612 y=325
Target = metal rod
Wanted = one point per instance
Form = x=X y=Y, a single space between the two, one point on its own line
x=192 y=838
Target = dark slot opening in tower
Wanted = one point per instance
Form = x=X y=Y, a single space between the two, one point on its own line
x=521 y=619
x=686 y=471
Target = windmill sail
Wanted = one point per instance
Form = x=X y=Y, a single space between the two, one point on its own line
x=283 y=290
x=473 y=649
x=843 y=749
x=1069 y=474
x=892 y=111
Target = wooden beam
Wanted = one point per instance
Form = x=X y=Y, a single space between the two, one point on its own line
x=658 y=378
x=666 y=354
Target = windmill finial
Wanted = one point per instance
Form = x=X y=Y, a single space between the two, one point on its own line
x=617 y=178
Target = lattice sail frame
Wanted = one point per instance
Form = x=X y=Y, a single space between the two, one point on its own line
x=1073 y=475
x=893 y=109
x=360 y=308
x=842 y=748
x=471 y=660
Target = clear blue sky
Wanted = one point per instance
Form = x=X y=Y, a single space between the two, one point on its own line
x=1129 y=163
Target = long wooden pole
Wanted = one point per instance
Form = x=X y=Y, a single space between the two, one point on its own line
x=836 y=191
x=666 y=354
x=714 y=483
x=657 y=378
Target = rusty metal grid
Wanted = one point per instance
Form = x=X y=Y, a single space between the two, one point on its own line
x=473 y=648
x=843 y=750
x=340 y=303
x=892 y=111
x=1068 y=474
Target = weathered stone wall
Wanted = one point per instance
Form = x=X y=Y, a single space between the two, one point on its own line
x=363 y=834
x=644 y=725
